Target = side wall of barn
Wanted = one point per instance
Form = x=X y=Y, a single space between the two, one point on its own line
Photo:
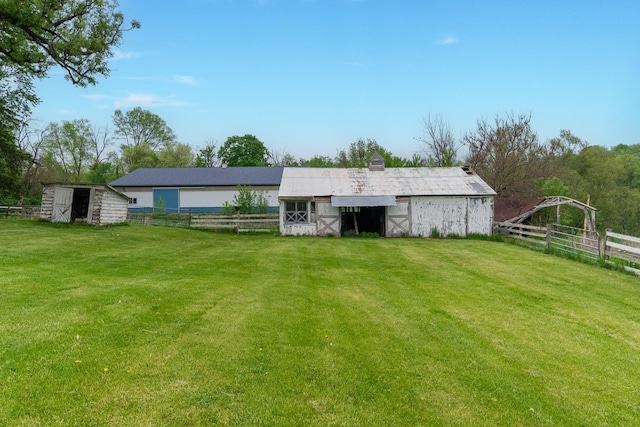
x=451 y=215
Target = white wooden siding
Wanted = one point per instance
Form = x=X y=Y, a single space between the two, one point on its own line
x=306 y=229
x=399 y=218
x=451 y=215
x=327 y=218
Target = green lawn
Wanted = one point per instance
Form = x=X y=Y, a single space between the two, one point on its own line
x=150 y=326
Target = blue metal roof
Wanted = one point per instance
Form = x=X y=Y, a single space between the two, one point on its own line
x=198 y=177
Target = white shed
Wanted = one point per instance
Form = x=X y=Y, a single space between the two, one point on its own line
x=95 y=204
x=387 y=201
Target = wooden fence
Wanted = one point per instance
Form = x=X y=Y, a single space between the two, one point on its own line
x=255 y=223
x=622 y=249
x=24 y=212
x=615 y=248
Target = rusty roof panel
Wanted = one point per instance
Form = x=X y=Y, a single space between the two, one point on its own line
x=316 y=182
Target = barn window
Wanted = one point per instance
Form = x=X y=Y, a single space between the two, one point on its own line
x=133 y=200
x=296 y=212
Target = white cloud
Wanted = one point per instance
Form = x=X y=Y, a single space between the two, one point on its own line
x=119 y=54
x=448 y=40
x=185 y=80
x=137 y=100
x=147 y=100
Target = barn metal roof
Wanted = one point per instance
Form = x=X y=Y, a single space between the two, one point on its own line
x=196 y=177
x=319 y=182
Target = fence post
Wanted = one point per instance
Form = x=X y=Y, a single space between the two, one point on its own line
x=189 y=220
x=604 y=244
x=549 y=238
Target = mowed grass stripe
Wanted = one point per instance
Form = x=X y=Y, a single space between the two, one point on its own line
x=198 y=328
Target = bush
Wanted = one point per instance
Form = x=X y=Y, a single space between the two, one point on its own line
x=247 y=201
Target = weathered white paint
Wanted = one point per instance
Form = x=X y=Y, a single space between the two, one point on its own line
x=480 y=216
x=299 y=229
x=451 y=215
x=447 y=200
x=327 y=218
x=62 y=200
x=399 y=218
x=314 y=182
x=113 y=208
x=46 y=207
x=106 y=205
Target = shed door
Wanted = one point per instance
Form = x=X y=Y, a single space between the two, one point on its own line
x=62 y=200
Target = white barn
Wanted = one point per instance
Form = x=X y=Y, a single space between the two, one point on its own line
x=390 y=202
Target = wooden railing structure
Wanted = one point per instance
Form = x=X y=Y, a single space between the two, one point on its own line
x=613 y=247
x=248 y=223
x=622 y=247
x=240 y=223
x=24 y=212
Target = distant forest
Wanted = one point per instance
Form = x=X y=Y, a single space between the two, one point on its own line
x=505 y=151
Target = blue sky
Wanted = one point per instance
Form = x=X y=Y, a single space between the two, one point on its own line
x=311 y=76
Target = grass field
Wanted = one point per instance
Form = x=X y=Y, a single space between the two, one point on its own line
x=150 y=326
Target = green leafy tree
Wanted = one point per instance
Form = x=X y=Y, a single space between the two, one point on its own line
x=249 y=201
x=244 y=150
x=318 y=162
x=74 y=35
x=175 y=155
x=282 y=158
x=138 y=156
x=207 y=157
x=69 y=147
x=11 y=161
x=138 y=126
x=599 y=173
x=358 y=153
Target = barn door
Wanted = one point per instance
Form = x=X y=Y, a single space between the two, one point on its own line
x=62 y=200
x=170 y=198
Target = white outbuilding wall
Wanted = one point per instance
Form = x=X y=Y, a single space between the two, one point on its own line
x=451 y=215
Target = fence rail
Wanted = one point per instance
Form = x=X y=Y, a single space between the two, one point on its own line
x=614 y=248
x=528 y=233
x=24 y=212
x=241 y=223
x=570 y=240
x=620 y=248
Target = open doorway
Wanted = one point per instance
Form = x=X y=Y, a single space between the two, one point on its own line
x=80 y=204
x=365 y=219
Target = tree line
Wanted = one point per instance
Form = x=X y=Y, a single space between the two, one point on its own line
x=505 y=151
x=78 y=37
